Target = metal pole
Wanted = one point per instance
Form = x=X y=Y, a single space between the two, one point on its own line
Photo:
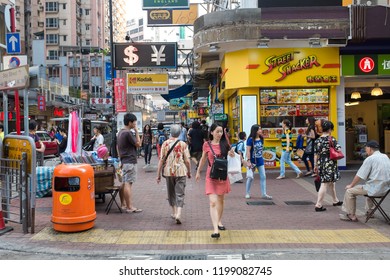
x=113 y=144
x=5 y=112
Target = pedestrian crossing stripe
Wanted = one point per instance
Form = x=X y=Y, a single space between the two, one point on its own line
x=202 y=237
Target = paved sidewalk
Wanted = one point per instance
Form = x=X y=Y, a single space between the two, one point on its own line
x=284 y=225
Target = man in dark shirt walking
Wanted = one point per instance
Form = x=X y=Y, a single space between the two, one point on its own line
x=128 y=142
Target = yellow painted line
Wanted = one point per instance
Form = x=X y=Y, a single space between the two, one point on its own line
x=159 y=237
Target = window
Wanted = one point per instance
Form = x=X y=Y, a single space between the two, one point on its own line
x=64 y=21
x=65 y=37
x=87 y=11
x=52 y=23
x=64 y=6
x=52 y=55
x=51 y=6
x=88 y=42
x=52 y=39
x=87 y=26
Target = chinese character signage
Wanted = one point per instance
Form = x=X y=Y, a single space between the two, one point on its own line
x=100 y=101
x=147 y=84
x=145 y=55
x=371 y=64
x=120 y=94
x=41 y=102
x=170 y=4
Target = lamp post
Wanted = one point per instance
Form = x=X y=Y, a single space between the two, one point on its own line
x=113 y=144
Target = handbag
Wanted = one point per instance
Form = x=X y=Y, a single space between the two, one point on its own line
x=334 y=154
x=219 y=168
x=317 y=183
x=300 y=152
x=166 y=157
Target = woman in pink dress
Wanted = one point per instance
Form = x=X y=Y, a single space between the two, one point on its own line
x=215 y=189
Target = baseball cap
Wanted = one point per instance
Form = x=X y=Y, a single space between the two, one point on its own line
x=102 y=151
x=372 y=144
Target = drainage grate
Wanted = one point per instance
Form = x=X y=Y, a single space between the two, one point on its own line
x=299 y=202
x=260 y=203
x=182 y=257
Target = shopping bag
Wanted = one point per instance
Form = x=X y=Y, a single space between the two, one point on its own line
x=234 y=164
x=234 y=177
x=249 y=173
x=300 y=152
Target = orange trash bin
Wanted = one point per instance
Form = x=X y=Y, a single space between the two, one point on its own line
x=73 y=191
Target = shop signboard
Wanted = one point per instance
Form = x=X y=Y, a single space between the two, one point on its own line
x=152 y=84
x=295 y=67
x=220 y=117
x=297 y=3
x=170 y=17
x=41 y=102
x=145 y=55
x=161 y=4
x=365 y=64
x=120 y=94
x=183 y=103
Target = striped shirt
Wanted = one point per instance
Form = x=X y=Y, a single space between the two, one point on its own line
x=284 y=139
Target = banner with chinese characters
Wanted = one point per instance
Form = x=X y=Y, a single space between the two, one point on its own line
x=120 y=94
x=158 y=4
x=100 y=101
x=41 y=102
x=147 y=84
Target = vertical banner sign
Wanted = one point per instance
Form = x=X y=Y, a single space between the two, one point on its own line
x=120 y=94
x=108 y=71
x=41 y=102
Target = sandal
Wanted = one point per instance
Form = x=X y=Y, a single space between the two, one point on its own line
x=346 y=217
x=135 y=210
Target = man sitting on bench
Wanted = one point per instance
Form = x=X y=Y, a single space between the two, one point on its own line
x=375 y=170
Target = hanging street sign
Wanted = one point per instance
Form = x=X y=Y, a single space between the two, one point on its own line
x=14 y=78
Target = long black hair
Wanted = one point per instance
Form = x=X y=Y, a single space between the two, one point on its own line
x=223 y=144
x=311 y=125
x=253 y=134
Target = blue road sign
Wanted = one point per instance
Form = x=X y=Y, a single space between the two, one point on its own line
x=13 y=43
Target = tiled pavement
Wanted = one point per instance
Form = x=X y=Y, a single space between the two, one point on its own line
x=249 y=227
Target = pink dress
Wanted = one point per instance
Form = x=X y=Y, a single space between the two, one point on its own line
x=214 y=186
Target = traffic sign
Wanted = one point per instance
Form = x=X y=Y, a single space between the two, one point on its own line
x=13 y=43
x=14 y=78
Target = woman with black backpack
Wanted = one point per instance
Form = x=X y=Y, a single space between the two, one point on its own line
x=217 y=149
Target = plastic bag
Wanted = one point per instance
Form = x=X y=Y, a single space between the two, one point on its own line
x=234 y=164
x=234 y=177
x=249 y=173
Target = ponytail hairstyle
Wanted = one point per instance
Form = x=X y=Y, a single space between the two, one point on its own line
x=223 y=144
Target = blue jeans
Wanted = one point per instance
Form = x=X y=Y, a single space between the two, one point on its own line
x=263 y=186
x=286 y=158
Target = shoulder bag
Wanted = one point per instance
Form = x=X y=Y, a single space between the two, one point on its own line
x=219 y=168
x=333 y=153
x=166 y=157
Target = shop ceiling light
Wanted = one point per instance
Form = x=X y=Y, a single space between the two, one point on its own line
x=376 y=91
x=355 y=95
x=351 y=104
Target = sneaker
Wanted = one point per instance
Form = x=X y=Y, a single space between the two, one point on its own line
x=299 y=175
x=280 y=177
x=267 y=197
x=247 y=196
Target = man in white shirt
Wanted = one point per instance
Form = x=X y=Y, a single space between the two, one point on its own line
x=375 y=170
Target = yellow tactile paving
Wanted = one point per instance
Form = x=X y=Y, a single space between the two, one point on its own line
x=121 y=237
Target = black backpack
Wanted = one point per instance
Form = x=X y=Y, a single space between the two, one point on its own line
x=219 y=168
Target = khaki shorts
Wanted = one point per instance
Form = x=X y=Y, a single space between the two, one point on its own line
x=129 y=173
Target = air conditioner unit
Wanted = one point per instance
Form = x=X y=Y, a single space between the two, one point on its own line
x=336 y=42
x=369 y=2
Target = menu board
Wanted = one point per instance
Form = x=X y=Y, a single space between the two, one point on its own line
x=276 y=111
x=311 y=95
x=268 y=96
x=313 y=110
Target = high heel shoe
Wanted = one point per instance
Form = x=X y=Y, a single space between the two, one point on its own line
x=221 y=228
x=215 y=235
